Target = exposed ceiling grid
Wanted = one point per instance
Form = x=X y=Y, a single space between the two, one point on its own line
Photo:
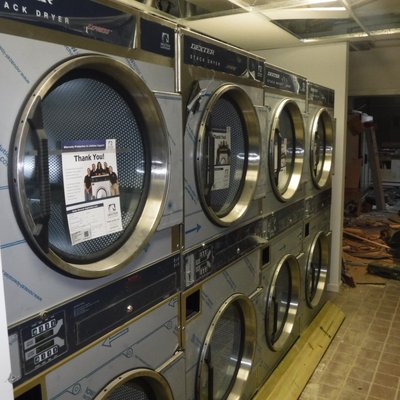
x=271 y=24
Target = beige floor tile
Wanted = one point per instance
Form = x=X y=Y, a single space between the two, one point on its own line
x=330 y=379
x=383 y=323
x=395 y=324
x=372 y=345
x=344 y=358
x=369 y=354
x=357 y=386
x=389 y=369
x=340 y=369
x=349 y=348
x=383 y=392
x=384 y=308
x=392 y=348
x=386 y=380
x=361 y=373
x=350 y=395
x=395 y=332
x=392 y=358
x=364 y=361
x=374 y=336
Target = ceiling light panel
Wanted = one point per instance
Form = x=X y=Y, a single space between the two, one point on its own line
x=318 y=28
x=307 y=13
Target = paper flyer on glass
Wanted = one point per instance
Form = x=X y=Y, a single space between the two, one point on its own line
x=222 y=157
x=91 y=188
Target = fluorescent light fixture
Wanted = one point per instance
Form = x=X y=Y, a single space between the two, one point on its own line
x=321 y=1
x=242 y=4
x=323 y=9
x=389 y=31
x=335 y=37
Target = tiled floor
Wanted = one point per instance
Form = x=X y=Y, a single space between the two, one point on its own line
x=363 y=360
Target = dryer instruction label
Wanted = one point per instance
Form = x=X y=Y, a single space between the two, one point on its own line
x=3 y=156
x=91 y=188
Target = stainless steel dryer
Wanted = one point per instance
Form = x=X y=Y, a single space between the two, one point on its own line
x=278 y=304
x=284 y=137
x=219 y=328
x=222 y=136
x=138 y=359
x=317 y=249
x=320 y=139
x=86 y=98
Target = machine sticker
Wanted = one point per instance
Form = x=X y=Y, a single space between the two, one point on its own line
x=222 y=158
x=256 y=69
x=207 y=55
x=157 y=38
x=198 y=264
x=79 y=17
x=283 y=80
x=3 y=156
x=91 y=188
x=321 y=95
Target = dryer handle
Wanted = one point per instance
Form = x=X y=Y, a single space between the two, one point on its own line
x=209 y=165
x=279 y=154
x=35 y=120
x=210 y=373
x=315 y=152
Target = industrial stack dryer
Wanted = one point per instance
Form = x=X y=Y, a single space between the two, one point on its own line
x=317 y=249
x=284 y=137
x=221 y=139
x=320 y=139
x=278 y=303
x=90 y=281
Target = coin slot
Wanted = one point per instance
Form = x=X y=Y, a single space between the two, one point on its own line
x=265 y=256
x=192 y=304
x=307 y=230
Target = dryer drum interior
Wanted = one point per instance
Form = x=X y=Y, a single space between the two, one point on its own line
x=321 y=148
x=138 y=384
x=282 y=303
x=317 y=270
x=286 y=151
x=89 y=98
x=226 y=163
x=227 y=354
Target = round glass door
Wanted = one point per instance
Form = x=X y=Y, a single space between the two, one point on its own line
x=286 y=150
x=227 y=155
x=140 y=384
x=227 y=354
x=282 y=302
x=321 y=150
x=89 y=168
x=317 y=270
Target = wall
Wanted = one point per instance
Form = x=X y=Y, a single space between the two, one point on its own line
x=326 y=65
x=374 y=72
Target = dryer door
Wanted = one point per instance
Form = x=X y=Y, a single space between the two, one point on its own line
x=282 y=302
x=317 y=269
x=227 y=154
x=286 y=150
x=89 y=166
x=321 y=148
x=140 y=384
x=227 y=354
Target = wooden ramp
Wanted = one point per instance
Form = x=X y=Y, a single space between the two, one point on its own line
x=292 y=374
